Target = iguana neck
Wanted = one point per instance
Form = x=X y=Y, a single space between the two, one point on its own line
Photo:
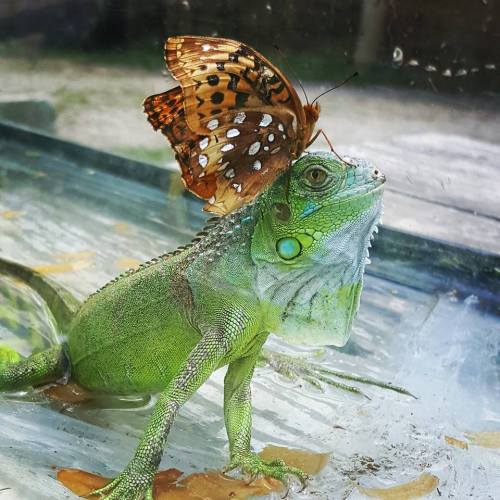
x=222 y=250
x=316 y=301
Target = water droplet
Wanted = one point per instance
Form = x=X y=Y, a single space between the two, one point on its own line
x=413 y=62
x=446 y=72
x=397 y=56
x=430 y=68
x=490 y=66
x=461 y=72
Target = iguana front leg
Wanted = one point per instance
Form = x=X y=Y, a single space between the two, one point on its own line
x=136 y=480
x=238 y=420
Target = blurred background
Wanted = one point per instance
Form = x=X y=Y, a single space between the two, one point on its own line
x=425 y=107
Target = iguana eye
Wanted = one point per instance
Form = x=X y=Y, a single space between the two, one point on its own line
x=316 y=177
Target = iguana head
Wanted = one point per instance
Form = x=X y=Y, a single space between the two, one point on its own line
x=310 y=245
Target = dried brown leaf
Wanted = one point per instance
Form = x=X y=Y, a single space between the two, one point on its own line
x=418 y=488
x=122 y=228
x=484 y=439
x=11 y=214
x=63 y=267
x=126 y=263
x=308 y=461
x=202 y=486
x=457 y=443
x=69 y=393
x=74 y=255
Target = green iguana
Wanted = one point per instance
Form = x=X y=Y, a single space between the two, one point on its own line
x=291 y=263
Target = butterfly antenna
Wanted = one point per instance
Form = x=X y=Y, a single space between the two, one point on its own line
x=337 y=86
x=289 y=68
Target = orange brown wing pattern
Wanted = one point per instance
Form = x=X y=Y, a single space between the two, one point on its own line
x=166 y=113
x=218 y=74
x=246 y=151
x=240 y=153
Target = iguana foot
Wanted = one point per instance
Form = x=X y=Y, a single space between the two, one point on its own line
x=295 y=368
x=254 y=466
x=131 y=484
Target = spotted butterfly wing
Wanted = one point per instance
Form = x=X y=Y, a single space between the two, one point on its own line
x=235 y=122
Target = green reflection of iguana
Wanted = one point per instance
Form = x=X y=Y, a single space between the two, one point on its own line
x=291 y=263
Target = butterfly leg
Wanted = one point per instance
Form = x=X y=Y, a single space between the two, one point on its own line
x=295 y=368
x=238 y=420
x=316 y=135
x=321 y=131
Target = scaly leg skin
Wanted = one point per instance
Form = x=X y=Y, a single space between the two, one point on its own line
x=136 y=479
x=294 y=368
x=238 y=420
x=37 y=369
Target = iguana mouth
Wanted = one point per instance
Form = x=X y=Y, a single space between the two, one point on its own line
x=365 y=189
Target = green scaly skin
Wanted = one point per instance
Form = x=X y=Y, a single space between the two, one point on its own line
x=291 y=263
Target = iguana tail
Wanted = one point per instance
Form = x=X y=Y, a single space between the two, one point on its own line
x=38 y=369
x=51 y=364
x=62 y=304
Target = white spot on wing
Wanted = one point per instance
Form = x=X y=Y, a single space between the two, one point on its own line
x=240 y=117
x=254 y=148
x=266 y=120
x=204 y=143
x=266 y=148
x=213 y=124
x=227 y=147
x=257 y=165
x=205 y=47
x=237 y=187
x=280 y=127
x=230 y=173
x=211 y=200
x=203 y=160
x=270 y=137
x=232 y=132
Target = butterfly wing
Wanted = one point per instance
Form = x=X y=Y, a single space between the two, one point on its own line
x=235 y=122
x=237 y=156
x=246 y=151
x=218 y=74
x=166 y=113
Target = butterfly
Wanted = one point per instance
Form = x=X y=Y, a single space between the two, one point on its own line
x=235 y=121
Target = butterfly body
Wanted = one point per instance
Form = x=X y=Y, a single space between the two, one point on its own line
x=235 y=122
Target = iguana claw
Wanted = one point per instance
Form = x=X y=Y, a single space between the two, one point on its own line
x=127 y=486
x=255 y=466
x=295 y=368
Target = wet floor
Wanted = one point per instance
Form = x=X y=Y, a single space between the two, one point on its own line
x=82 y=227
